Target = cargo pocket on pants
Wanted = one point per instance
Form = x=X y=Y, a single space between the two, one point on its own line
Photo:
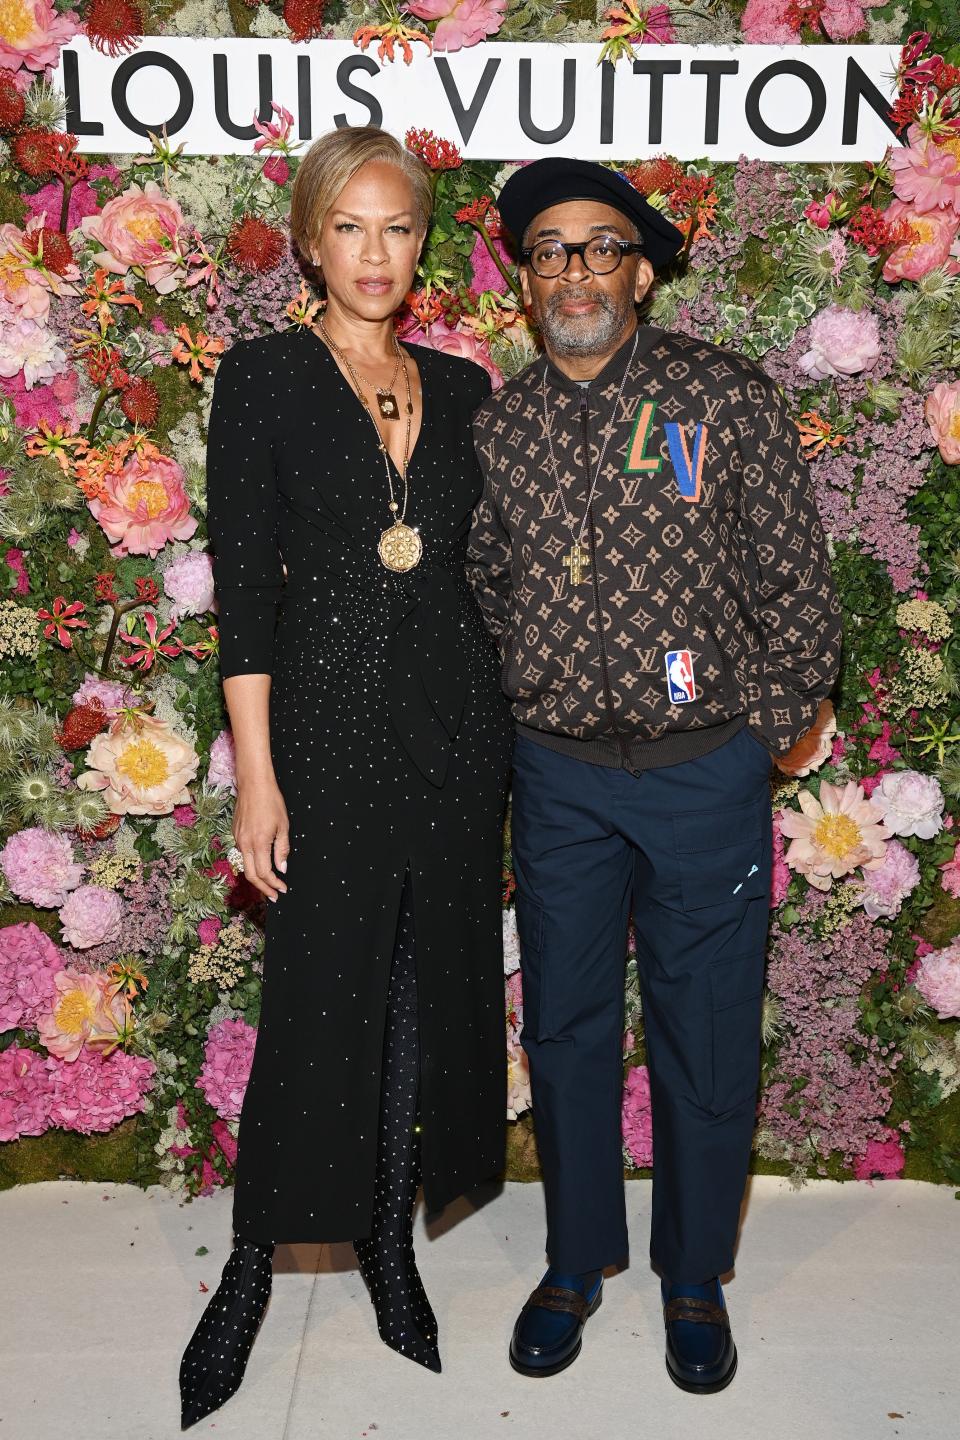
x=737 y=998
x=530 y=935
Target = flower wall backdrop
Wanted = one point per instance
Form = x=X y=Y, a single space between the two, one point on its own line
x=131 y=948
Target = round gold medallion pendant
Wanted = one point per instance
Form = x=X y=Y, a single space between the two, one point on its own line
x=400 y=547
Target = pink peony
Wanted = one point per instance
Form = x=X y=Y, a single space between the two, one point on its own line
x=938 y=980
x=32 y=33
x=28 y=962
x=780 y=874
x=889 y=884
x=188 y=582
x=942 y=411
x=462 y=22
x=92 y=915
x=460 y=342
x=40 y=867
x=883 y=1158
x=926 y=173
x=25 y=1087
x=637 y=1116
x=816 y=746
x=140 y=229
x=842 y=342
x=93 y=1094
x=511 y=942
x=833 y=835
x=141 y=765
x=519 y=1097
x=222 y=773
x=111 y=694
x=930 y=246
x=950 y=875
x=29 y=348
x=910 y=803
x=228 y=1056
x=81 y=1014
x=144 y=506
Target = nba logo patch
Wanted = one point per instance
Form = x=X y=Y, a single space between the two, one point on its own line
x=681 y=686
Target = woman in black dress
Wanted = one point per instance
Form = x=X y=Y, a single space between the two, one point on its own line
x=373 y=748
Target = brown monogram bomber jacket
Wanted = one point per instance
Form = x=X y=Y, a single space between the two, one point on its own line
x=705 y=599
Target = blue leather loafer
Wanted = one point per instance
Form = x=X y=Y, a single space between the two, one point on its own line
x=701 y=1355
x=548 y=1334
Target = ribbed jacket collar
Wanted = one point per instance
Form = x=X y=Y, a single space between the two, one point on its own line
x=615 y=366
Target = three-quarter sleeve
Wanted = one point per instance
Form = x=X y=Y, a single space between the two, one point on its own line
x=242 y=518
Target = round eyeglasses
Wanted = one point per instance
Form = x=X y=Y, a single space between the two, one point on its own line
x=601 y=255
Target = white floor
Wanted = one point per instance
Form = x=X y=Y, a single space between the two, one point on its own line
x=844 y=1310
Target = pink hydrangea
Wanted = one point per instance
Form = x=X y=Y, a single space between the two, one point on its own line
x=188 y=581
x=925 y=174
x=460 y=342
x=780 y=874
x=33 y=33
x=842 y=342
x=929 y=246
x=486 y=276
x=228 y=1056
x=222 y=772
x=40 y=867
x=111 y=694
x=883 y=1158
x=938 y=980
x=637 y=1116
x=910 y=803
x=24 y=1093
x=462 y=22
x=764 y=22
x=886 y=887
x=92 y=915
x=28 y=962
x=144 y=506
x=55 y=403
x=140 y=229
x=92 y=1094
x=942 y=413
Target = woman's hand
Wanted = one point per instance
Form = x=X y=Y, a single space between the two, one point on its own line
x=261 y=829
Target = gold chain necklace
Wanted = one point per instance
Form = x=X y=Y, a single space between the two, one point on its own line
x=400 y=547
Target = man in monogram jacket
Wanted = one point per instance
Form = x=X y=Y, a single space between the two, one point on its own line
x=648 y=554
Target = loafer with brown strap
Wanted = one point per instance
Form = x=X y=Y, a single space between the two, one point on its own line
x=702 y=1360
x=542 y=1345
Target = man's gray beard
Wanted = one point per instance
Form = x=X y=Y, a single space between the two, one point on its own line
x=583 y=334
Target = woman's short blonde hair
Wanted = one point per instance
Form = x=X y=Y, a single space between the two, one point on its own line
x=332 y=161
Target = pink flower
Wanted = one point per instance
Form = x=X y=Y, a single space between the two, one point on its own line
x=881 y=752
x=486 y=276
x=222 y=772
x=40 y=867
x=887 y=886
x=228 y=1056
x=884 y=1158
x=462 y=22
x=141 y=766
x=111 y=694
x=842 y=342
x=927 y=174
x=764 y=22
x=55 y=403
x=15 y=559
x=209 y=929
x=29 y=347
x=511 y=942
x=780 y=875
x=938 y=980
x=931 y=244
x=83 y=197
x=32 y=34
x=28 y=962
x=519 y=1098
x=188 y=581
x=81 y=1013
x=910 y=803
x=818 y=213
x=942 y=412
x=514 y=994
x=93 y=1093
x=144 y=506
x=833 y=835
x=458 y=342
x=91 y=915
x=277 y=170
x=275 y=134
x=184 y=817
x=950 y=875
x=24 y=1093
x=637 y=1116
x=24 y=281
x=140 y=229
x=816 y=746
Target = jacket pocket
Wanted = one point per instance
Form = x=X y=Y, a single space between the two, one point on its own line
x=725 y=685
x=721 y=856
x=736 y=988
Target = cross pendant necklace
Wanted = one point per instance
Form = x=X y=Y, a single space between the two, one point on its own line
x=575 y=561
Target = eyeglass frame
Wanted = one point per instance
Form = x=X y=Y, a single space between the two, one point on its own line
x=626 y=247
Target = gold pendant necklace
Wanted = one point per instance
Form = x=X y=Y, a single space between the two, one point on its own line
x=400 y=547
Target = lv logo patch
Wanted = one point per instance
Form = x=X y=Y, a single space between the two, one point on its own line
x=687 y=466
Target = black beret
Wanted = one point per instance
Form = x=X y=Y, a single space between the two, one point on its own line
x=551 y=181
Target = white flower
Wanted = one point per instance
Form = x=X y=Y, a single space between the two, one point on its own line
x=910 y=803
x=511 y=942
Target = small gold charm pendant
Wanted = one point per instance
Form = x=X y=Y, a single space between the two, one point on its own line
x=400 y=547
x=576 y=562
x=387 y=405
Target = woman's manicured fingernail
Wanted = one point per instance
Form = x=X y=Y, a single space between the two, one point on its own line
x=282 y=867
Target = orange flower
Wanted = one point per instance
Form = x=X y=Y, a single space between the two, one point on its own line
x=196 y=350
x=302 y=310
x=101 y=296
x=389 y=36
x=817 y=433
x=56 y=444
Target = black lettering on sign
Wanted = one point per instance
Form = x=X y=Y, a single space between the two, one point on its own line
x=859 y=87
x=818 y=103
x=466 y=116
x=75 y=124
x=304 y=99
x=714 y=71
x=353 y=92
x=221 y=97
x=534 y=132
x=655 y=70
x=125 y=73
x=608 y=75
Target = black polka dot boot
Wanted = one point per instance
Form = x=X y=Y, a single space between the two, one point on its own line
x=214 y=1361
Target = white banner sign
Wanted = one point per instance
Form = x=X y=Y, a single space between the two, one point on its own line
x=510 y=102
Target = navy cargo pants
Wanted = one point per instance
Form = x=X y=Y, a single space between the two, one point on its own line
x=687 y=848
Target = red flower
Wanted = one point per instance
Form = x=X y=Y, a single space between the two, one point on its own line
x=870 y=228
x=481 y=212
x=103 y=586
x=303 y=18
x=114 y=26
x=438 y=154
x=657 y=174
x=256 y=246
x=907 y=107
x=80 y=724
x=42 y=153
x=147 y=589
x=52 y=246
x=802 y=14
x=277 y=170
x=105 y=368
x=12 y=105
x=144 y=652
x=63 y=618
x=140 y=402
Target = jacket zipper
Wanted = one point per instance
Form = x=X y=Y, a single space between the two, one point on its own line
x=597 y=608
